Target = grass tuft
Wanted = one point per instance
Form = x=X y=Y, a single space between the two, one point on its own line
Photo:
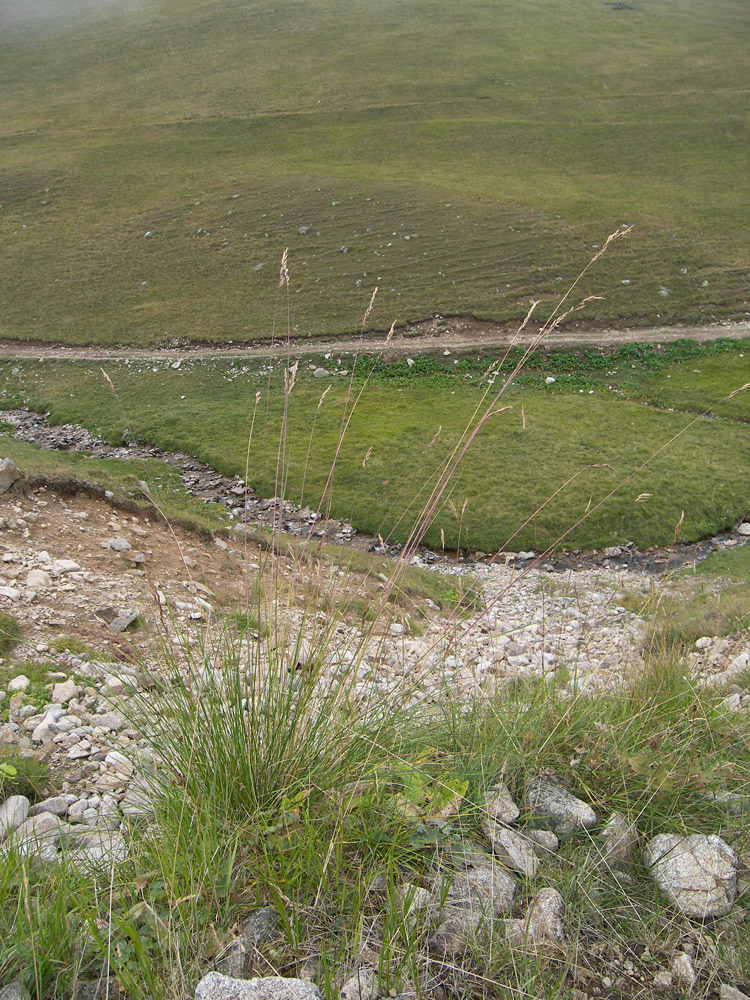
x=10 y=634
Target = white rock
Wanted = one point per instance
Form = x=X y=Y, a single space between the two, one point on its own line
x=56 y=804
x=112 y=685
x=360 y=986
x=14 y=990
x=38 y=579
x=545 y=842
x=13 y=812
x=11 y=593
x=730 y=993
x=698 y=874
x=97 y=848
x=543 y=922
x=76 y=810
x=119 y=763
x=735 y=703
x=557 y=807
x=214 y=986
x=38 y=835
x=514 y=849
x=108 y=720
x=499 y=804
x=8 y=474
x=53 y=723
x=744 y=528
x=682 y=969
x=738 y=666
x=64 y=692
x=740 y=663
x=662 y=980
x=137 y=800
x=618 y=840
x=19 y=683
x=60 y=566
x=472 y=899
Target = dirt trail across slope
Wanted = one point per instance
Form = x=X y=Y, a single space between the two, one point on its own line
x=455 y=333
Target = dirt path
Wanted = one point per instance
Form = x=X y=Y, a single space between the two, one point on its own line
x=455 y=333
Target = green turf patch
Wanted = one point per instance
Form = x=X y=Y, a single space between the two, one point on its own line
x=10 y=634
x=549 y=460
x=698 y=385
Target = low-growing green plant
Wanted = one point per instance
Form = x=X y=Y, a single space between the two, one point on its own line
x=10 y=634
x=21 y=774
x=71 y=644
x=248 y=621
x=7 y=773
x=39 y=690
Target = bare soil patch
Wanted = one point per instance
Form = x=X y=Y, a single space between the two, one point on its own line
x=165 y=570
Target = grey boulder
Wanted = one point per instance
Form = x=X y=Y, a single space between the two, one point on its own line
x=512 y=848
x=8 y=474
x=618 y=840
x=362 y=985
x=554 y=807
x=14 y=991
x=731 y=993
x=543 y=923
x=38 y=835
x=98 y=849
x=475 y=896
x=57 y=804
x=499 y=805
x=214 y=986
x=13 y=812
x=697 y=874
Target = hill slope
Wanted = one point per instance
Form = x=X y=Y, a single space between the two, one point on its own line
x=156 y=159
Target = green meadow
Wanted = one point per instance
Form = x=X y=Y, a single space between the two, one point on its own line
x=532 y=471
x=157 y=158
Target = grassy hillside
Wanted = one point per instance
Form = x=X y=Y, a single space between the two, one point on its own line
x=157 y=157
